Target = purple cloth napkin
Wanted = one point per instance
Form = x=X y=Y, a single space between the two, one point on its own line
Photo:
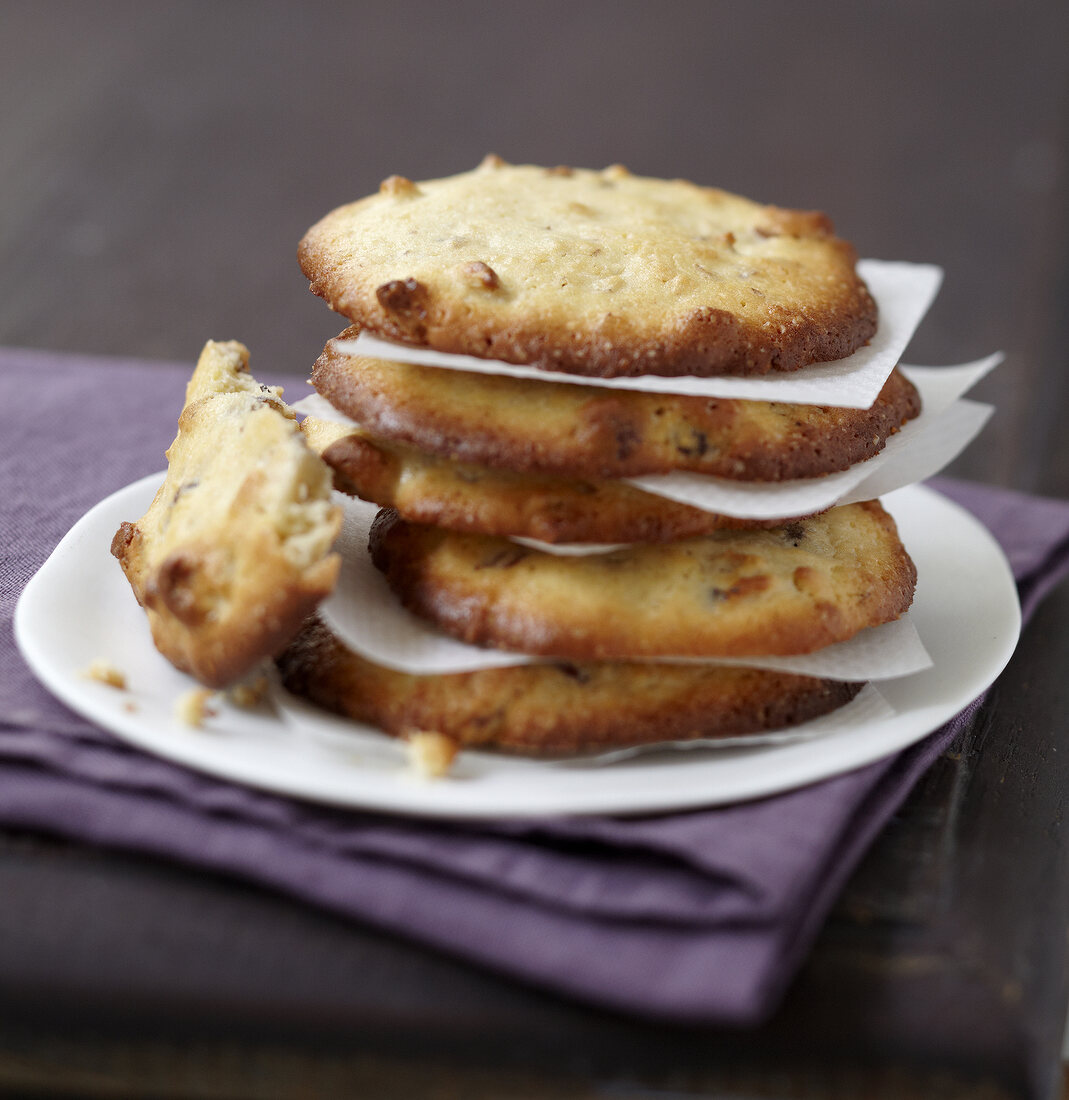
x=700 y=917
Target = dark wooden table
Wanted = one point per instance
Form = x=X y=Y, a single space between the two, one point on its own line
x=160 y=162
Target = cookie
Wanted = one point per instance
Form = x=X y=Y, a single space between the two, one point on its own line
x=789 y=590
x=234 y=551
x=556 y=708
x=591 y=432
x=598 y=273
x=423 y=488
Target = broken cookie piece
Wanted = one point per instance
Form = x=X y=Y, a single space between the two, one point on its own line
x=235 y=550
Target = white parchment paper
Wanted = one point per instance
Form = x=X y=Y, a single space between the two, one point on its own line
x=909 y=456
x=920 y=449
x=903 y=293
x=366 y=615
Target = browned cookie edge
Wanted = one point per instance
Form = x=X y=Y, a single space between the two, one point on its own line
x=555 y=708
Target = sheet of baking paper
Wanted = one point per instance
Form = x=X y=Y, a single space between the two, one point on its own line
x=941 y=441
x=903 y=293
x=893 y=649
x=940 y=387
x=922 y=448
x=901 y=464
x=337 y=733
x=366 y=615
x=569 y=549
x=759 y=500
x=321 y=409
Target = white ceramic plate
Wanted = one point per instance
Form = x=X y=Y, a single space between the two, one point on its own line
x=79 y=608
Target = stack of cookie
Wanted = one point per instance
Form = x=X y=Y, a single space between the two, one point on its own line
x=593 y=276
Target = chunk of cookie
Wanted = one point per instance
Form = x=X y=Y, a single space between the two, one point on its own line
x=597 y=273
x=556 y=708
x=235 y=550
x=423 y=488
x=590 y=432
x=789 y=590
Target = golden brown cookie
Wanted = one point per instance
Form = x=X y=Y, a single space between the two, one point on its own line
x=423 y=488
x=591 y=432
x=784 y=591
x=234 y=551
x=556 y=708
x=597 y=273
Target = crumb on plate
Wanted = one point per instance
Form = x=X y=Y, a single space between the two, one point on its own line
x=430 y=754
x=249 y=694
x=105 y=673
x=192 y=707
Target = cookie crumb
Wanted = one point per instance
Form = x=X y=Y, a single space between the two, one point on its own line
x=430 y=754
x=192 y=707
x=250 y=694
x=105 y=673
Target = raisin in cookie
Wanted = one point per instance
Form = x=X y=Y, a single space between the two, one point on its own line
x=234 y=551
x=556 y=708
x=590 y=432
x=789 y=590
x=597 y=273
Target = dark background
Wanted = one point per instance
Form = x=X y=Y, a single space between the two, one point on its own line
x=160 y=161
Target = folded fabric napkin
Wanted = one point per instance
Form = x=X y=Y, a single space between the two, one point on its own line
x=698 y=917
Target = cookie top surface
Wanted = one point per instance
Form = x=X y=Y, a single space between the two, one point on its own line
x=784 y=591
x=235 y=549
x=424 y=488
x=587 y=431
x=598 y=273
x=556 y=708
